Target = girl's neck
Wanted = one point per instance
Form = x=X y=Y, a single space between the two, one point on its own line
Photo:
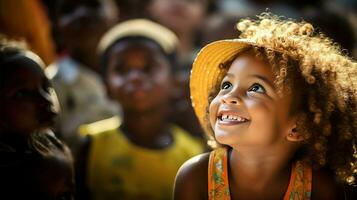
x=148 y=129
x=260 y=170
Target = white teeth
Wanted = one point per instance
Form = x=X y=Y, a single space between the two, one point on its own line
x=233 y=118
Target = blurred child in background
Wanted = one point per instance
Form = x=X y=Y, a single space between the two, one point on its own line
x=34 y=164
x=185 y=18
x=75 y=75
x=138 y=157
x=131 y=9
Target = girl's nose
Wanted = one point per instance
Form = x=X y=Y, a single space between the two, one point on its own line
x=230 y=99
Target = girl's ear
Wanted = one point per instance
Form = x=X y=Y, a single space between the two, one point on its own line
x=294 y=136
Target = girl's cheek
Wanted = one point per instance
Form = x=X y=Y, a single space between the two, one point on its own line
x=259 y=107
x=212 y=111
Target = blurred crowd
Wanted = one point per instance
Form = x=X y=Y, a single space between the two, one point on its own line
x=118 y=122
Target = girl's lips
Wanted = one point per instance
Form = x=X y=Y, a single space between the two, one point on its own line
x=229 y=114
x=230 y=118
x=231 y=122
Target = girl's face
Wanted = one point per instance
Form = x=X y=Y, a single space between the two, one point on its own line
x=25 y=102
x=247 y=110
x=138 y=75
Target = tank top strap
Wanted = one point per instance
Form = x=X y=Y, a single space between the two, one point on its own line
x=218 y=185
x=299 y=188
x=300 y=184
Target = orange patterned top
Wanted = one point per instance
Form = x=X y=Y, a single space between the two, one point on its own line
x=218 y=185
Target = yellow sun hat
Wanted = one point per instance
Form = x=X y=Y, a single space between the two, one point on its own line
x=206 y=73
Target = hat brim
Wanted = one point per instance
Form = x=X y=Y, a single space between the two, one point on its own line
x=206 y=73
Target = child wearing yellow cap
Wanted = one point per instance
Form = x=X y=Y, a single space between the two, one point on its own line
x=136 y=156
x=279 y=105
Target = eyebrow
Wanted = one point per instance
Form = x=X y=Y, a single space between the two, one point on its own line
x=263 y=78
x=229 y=75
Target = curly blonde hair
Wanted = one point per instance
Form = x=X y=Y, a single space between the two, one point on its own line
x=315 y=69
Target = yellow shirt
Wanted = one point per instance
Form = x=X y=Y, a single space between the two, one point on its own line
x=118 y=169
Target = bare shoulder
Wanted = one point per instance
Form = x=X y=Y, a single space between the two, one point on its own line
x=191 y=179
x=325 y=186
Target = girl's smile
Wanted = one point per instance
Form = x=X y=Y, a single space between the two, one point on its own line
x=229 y=117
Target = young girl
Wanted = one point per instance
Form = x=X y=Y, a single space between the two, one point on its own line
x=34 y=164
x=281 y=104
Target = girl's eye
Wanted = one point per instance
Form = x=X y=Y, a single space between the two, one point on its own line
x=257 y=88
x=226 y=85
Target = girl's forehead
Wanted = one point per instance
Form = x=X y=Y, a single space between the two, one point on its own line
x=248 y=64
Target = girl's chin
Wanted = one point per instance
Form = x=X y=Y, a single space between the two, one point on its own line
x=225 y=139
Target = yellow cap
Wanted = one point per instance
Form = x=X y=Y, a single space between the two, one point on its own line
x=140 y=27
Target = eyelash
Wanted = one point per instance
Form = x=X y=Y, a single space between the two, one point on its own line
x=226 y=85
x=258 y=85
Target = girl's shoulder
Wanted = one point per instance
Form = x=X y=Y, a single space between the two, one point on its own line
x=192 y=180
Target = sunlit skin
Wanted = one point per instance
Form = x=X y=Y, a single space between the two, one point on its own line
x=259 y=137
x=247 y=92
x=258 y=133
x=138 y=77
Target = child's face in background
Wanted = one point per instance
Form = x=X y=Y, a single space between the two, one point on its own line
x=182 y=16
x=247 y=110
x=82 y=29
x=138 y=75
x=25 y=102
